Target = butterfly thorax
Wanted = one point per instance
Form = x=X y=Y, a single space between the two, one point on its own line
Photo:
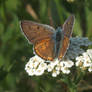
x=58 y=34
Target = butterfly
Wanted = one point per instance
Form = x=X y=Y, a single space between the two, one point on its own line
x=49 y=43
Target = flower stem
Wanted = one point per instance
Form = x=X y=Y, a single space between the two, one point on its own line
x=72 y=87
x=72 y=90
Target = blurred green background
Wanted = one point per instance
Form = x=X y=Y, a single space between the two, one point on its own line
x=15 y=50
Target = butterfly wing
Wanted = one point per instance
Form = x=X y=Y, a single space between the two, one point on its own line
x=35 y=31
x=41 y=37
x=67 y=31
x=45 y=48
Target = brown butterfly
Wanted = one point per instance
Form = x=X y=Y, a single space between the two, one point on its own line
x=48 y=42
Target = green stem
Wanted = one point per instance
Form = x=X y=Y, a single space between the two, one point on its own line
x=72 y=87
x=70 y=84
x=72 y=90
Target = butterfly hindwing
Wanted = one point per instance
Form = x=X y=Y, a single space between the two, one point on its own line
x=45 y=49
x=67 y=31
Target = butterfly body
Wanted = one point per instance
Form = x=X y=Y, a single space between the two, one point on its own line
x=48 y=43
x=58 y=37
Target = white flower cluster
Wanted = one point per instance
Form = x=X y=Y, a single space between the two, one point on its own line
x=85 y=61
x=56 y=67
x=37 y=66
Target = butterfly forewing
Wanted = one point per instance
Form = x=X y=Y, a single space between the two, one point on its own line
x=67 y=31
x=35 y=31
x=68 y=26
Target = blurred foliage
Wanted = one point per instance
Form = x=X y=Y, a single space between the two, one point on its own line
x=14 y=48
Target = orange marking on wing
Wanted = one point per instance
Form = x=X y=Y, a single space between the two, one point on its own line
x=50 y=58
x=41 y=44
x=37 y=52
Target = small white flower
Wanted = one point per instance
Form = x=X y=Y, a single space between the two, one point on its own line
x=55 y=62
x=58 y=67
x=63 y=63
x=54 y=73
x=65 y=70
x=85 y=55
x=90 y=69
x=89 y=52
x=87 y=63
x=79 y=58
x=31 y=72
x=43 y=66
x=79 y=63
x=69 y=63
x=35 y=64
x=50 y=68
x=58 y=72
x=39 y=72
x=28 y=66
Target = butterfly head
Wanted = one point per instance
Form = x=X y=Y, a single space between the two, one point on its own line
x=59 y=29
